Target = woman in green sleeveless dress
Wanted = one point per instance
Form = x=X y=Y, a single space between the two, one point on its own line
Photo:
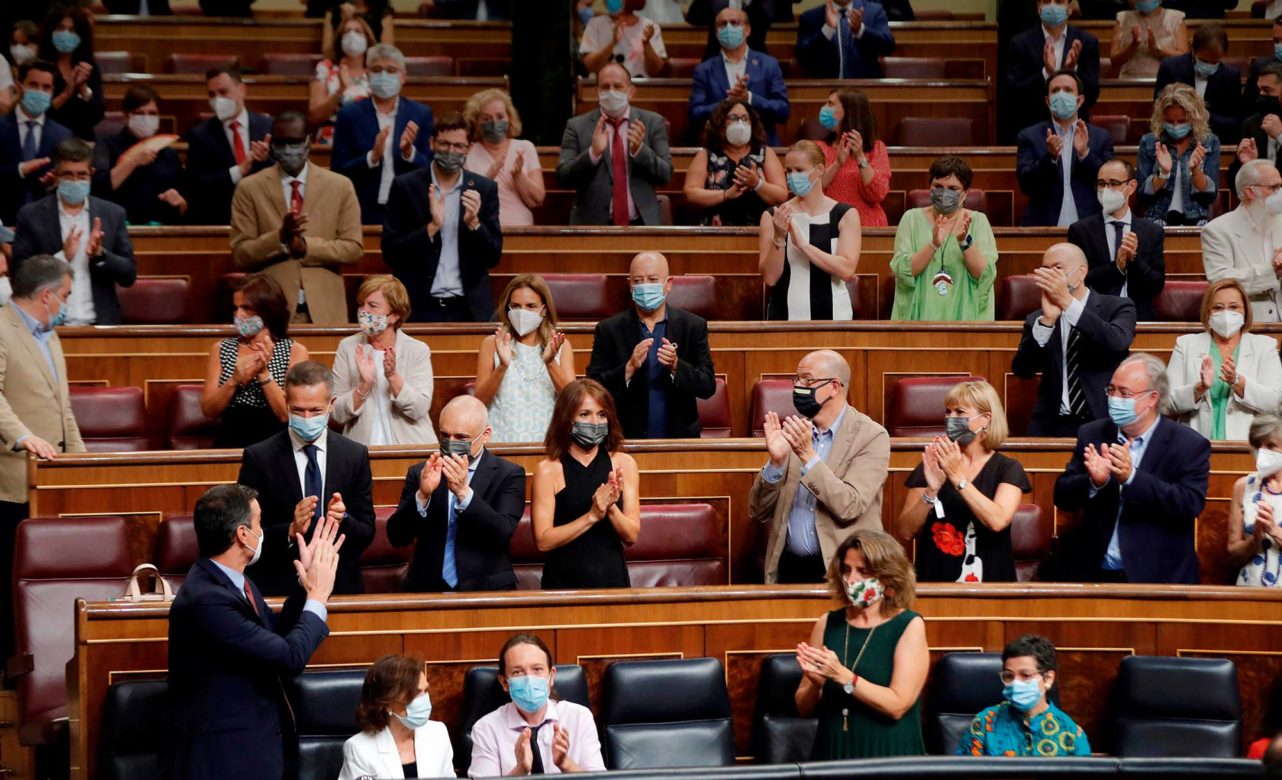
x=865 y=664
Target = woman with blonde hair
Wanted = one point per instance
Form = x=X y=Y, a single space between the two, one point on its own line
x=865 y=664
x=962 y=497
x=1179 y=159
x=808 y=245
x=527 y=361
x=500 y=154
x=383 y=376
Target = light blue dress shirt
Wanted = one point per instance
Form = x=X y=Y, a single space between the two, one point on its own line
x=449 y=276
x=238 y=579
x=1139 y=445
x=803 y=539
x=42 y=335
x=1068 y=207
x=449 y=565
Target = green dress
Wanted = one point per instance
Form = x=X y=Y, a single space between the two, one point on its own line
x=1220 y=392
x=870 y=735
x=963 y=298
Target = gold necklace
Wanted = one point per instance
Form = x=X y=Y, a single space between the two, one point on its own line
x=845 y=653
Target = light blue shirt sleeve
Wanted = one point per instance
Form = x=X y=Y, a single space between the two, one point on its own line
x=810 y=464
x=771 y=473
x=421 y=505
x=462 y=504
x=318 y=609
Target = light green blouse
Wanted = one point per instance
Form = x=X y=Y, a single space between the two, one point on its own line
x=945 y=291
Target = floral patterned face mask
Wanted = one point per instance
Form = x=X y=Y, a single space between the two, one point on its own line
x=865 y=593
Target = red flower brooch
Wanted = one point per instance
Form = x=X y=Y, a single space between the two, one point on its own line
x=948 y=539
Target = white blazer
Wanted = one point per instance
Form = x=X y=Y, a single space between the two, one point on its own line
x=375 y=755
x=1257 y=360
x=410 y=423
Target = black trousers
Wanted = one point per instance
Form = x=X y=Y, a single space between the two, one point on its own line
x=455 y=309
x=799 y=570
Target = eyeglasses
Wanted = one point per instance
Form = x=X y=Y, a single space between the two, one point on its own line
x=447 y=146
x=1269 y=187
x=806 y=381
x=1111 y=183
x=1009 y=677
x=1117 y=392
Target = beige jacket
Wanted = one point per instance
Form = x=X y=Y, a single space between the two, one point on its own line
x=32 y=402
x=847 y=487
x=333 y=237
x=410 y=423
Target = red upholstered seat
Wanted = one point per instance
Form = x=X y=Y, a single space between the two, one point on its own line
x=950 y=132
x=1181 y=300
x=288 y=64
x=863 y=296
x=695 y=293
x=188 y=428
x=769 y=395
x=383 y=566
x=1117 y=125
x=196 y=64
x=112 y=122
x=1021 y=397
x=111 y=419
x=682 y=67
x=680 y=545
x=811 y=130
x=157 y=300
x=56 y=561
x=1017 y=297
x=714 y=413
x=580 y=296
x=915 y=404
x=976 y=199
x=114 y=63
x=913 y=67
x=176 y=548
x=1030 y=541
x=665 y=202
x=429 y=66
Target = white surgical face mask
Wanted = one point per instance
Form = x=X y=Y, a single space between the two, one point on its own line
x=258 y=551
x=524 y=321
x=354 y=43
x=224 y=108
x=22 y=53
x=613 y=102
x=1268 y=462
x=739 y=133
x=144 y=125
x=1273 y=203
x=1110 y=199
x=1227 y=323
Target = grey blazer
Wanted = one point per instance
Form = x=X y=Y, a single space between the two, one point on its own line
x=594 y=183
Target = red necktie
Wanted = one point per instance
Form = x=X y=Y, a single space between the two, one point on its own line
x=296 y=197
x=237 y=148
x=619 y=162
x=249 y=594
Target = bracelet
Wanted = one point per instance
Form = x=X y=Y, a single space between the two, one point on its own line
x=362 y=395
x=928 y=499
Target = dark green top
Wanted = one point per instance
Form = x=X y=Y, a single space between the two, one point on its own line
x=871 y=734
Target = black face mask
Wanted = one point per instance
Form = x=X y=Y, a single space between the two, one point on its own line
x=1268 y=105
x=803 y=399
x=588 y=435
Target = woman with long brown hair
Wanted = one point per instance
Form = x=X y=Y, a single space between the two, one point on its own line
x=397 y=737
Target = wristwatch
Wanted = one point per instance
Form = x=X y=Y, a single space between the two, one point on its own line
x=864 y=163
x=849 y=687
x=962 y=485
x=966 y=244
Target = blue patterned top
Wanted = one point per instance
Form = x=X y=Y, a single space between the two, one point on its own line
x=1001 y=731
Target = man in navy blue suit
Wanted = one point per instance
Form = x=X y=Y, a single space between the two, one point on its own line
x=740 y=73
x=1139 y=481
x=1216 y=81
x=1056 y=159
x=228 y=715
x=378 y=139
x=843 y=39
x=223 y=149
x=1037 y=53
x=28 y=138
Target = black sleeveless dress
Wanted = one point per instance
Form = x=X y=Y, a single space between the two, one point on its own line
x=595 y=559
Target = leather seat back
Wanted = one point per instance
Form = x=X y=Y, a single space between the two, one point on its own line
x=176 y=548
x=276 y=63
x=1117 y=125
x=580 y=296
x=914 y=68
x=1170 y=707
x=111 y=419
x=1180 y=300
x=383 y=566
x=714 y=413
x=963 y=685
x=951 y=132
x=192 y=64
x=976 y=200
x=779 y=734
x=695 y=293
x=188 y=427
x=646 y=726
x=133 y=717
x=482 y=694
x=1018 y=297
x=325 y=704
x=438 y=65
x=1030 y=542
x=527 y=561
x=770 y=395
x=161 y=300
x=915 y=404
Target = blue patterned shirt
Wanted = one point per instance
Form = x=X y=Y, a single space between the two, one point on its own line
x=1002 y=731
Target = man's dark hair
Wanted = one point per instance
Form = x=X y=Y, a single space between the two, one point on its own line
x=450 y=120
x=72 y=150
x=287 y=118
x=43 y=66
x=219 y=512
x=951 y=166
x=231 y=68
x=1273 y=69
x=1071 y=74
x=1130 y=169
x=522 y=639
x=1037 y=647
x=309 y=373
x=1209 y=35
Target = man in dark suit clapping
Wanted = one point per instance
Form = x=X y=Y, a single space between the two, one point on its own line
x=462 y=506
x=223 y=149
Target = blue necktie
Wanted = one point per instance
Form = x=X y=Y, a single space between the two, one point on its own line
x=29 y=146
x=449 y=567
x=846 y=40
x=312 y=485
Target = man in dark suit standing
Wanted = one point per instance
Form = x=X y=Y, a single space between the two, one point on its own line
x=1056 y=159
x=844 y=39
x=1125 y=252
x=760 y=14
x=1075 y=340
x=88 y=232
x=461 y=506
x=305 y=475
x=1262 y=131
x=758 y=79
x=224 y=149
x=378 y=139
x=441 y=235
x=1139 y=481
x=1038 y=53
x=614 y=156
x=654 y=359
x=228 y=715
x=28 y=138
x=1217 y=82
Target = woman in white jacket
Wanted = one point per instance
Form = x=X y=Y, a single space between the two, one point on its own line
x=397 y=740
x=383 y=377
x=1223 y=377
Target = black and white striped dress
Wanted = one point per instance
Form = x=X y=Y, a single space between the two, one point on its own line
x=248 y=419
x=804 y=291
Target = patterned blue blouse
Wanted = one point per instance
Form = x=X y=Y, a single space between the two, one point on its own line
x=1001 y=731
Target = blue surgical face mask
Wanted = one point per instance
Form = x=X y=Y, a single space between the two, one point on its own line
x=66 y=41
x=35 y=102
x=73 y=193
x=1122 y=411
x=585 y=15
x=1148 y=6
x=730 y=36
x=1277 y=51
x=58 y=317
x=613 y=7
x=417 y=713
x=529 y=693
x=385 y=85
x=1205 y=69
x=828 y=118
x=799 y=183
x=1053 y=15
x=1063 y=105
x=308 y=429
x=1023 y=695
x=648 y=296
x=1176 y=132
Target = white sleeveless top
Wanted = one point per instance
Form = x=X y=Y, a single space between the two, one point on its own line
x=1265 y=566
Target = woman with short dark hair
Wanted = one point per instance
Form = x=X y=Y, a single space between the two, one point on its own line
x=397 y=739
x=143 y=180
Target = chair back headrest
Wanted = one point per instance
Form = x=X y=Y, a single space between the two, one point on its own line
x=642 y=691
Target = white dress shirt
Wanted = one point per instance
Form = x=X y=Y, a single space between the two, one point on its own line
x=300 y=461
x=80 y=308
x=386 y=122
x=736 y=69
x=1042 y=335
x=287 y=184
x=1059 y=49
x=1109 y=239
x=241 y=119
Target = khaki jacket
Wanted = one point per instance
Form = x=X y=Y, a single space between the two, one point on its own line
x=847 y=486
